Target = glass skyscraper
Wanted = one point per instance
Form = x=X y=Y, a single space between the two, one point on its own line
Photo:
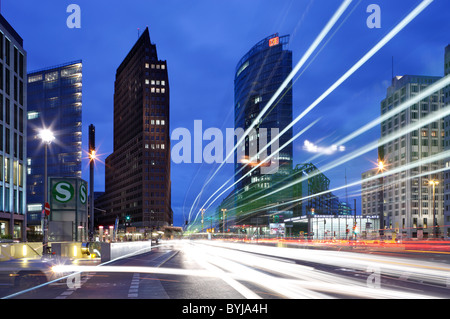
x=55 y=103
x=259 y=74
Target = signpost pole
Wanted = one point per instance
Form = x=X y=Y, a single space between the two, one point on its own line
x=45 y=224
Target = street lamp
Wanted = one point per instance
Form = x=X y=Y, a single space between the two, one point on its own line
x=434 y=183
x=47 y=138
x=223 y=225
x=381 y=168
x=92 y=158
x=203 y=213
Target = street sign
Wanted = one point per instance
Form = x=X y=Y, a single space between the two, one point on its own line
x=63 y=191
x=47 y=209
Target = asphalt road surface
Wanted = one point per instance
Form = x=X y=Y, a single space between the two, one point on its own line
x=201 y=270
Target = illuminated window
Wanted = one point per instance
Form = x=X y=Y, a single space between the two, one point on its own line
x=33 y=115
x=51 y=76
x=242 y=68
x=35 y=78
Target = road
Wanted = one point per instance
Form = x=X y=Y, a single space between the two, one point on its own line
x=203 y=270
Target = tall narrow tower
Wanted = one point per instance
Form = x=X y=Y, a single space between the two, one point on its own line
x=137 y=174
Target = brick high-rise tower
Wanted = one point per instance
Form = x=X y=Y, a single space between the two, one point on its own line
x=137 y=174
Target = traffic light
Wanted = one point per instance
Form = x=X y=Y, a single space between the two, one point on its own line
x=276 y=219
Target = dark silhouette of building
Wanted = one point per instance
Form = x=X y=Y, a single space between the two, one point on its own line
x=137 y=174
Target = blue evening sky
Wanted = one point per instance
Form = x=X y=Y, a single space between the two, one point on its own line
x=203 y=40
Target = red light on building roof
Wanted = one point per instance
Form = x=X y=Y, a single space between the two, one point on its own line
x=274 y=41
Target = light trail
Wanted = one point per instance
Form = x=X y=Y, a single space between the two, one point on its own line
x=275 y=269
x=430 y=90
x=409 y=18
x=397 y=29
x=429 y=160
x=256 y=167
x=437 y=86
x=433 y=117
x=438 y=115
x=345 y=4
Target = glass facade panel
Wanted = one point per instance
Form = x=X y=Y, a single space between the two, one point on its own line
x=54 y=101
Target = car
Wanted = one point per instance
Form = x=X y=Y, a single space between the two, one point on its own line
x=25 y=273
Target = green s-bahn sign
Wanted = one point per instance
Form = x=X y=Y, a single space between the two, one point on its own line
x=63 y=191
x=68 y=198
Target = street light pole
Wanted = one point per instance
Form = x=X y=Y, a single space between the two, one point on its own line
x=381 y=206
x=203 y=213
x=223 y=224
x=92 y=157
x=45 y=225
x=47 y=137
x=434 y=183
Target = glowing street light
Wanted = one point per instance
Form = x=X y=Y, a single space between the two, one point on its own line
x=47 y=138
x=381 y=166
x=92 y=155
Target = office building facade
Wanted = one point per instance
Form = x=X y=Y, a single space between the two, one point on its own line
x=409 y=205
x=259 y=74
x=372 y=193
x=54 y=103
x=446 y=225
x=13 y=109
x=137 y=175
